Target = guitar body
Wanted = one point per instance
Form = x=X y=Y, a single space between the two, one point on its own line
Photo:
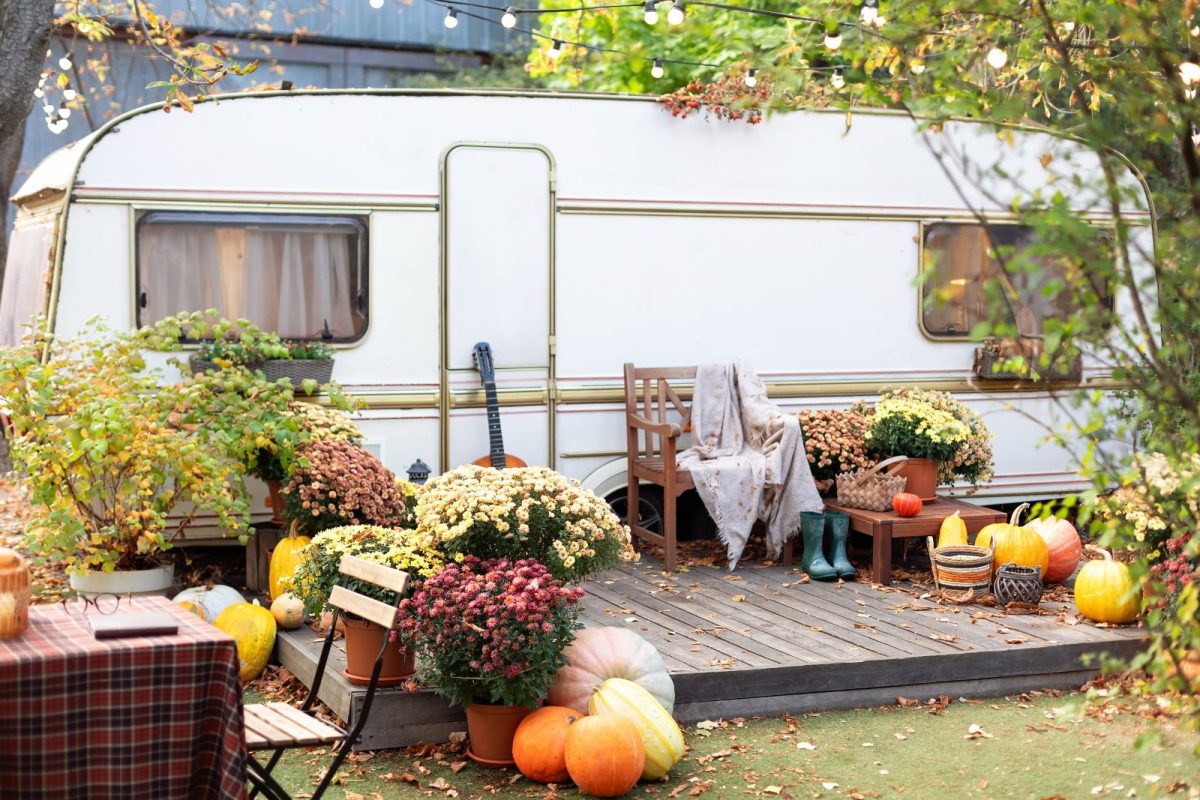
x=509 y=461
x=496 y=456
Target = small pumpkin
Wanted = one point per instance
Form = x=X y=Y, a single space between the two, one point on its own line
x=1062 y=540
x=1104 y=590
x=285 y=560
x=604 y=755
x=907 y=505
x=598 y=654
x=253 y=630
x=540 y=744
x=661 y=738
x=211 y=600
x=288 y=611
x=192 y=608
x=1015 y=543
x=953 y=531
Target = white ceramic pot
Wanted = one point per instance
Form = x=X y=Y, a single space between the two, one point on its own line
x=132 y=581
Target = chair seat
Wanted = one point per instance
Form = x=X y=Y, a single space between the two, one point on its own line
x=274 y=725
x=652 y=470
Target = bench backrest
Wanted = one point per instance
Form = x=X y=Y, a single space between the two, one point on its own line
x=368 y=607
x=649 y=393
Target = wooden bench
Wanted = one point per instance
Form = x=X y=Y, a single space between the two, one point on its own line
x=654 y=422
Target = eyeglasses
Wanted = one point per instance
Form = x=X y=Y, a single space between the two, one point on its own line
x=103 y=603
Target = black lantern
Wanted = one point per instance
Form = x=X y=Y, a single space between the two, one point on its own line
x=418 y=473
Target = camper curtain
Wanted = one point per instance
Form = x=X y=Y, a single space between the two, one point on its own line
x=299 y=283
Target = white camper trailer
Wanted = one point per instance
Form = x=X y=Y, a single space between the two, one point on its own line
x=573 y=233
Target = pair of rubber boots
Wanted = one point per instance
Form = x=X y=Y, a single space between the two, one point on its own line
x=813 y=529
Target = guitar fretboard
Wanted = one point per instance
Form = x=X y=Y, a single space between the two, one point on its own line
x=495 y=437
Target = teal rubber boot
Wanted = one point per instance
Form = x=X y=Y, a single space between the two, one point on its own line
x=837 y=525
x=812 y=529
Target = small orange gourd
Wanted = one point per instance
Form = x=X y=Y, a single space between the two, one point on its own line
x=1104 y=590
x=907 y=505
x=1015 y=543
x=540 y=744
x=604 y=755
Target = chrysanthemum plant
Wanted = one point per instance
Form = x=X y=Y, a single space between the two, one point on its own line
x=531 y=512
x=490 y=631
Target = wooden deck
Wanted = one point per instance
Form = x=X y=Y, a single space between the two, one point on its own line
x=762 y=641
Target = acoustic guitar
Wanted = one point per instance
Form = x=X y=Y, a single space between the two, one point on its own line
x=496 y=456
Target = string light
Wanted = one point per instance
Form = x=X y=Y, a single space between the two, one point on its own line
x=509 y=20
x=451 y=20
x=69 y=94
x=997 y=57
x=64 y=63
x=555 y=49
x=869 y=13
x=657 y=70
x=833 y=39
x=751 y=78
x=376 y=4
x=651 y=15
x=839 y=79
x=1189 y=72
x=677 y=13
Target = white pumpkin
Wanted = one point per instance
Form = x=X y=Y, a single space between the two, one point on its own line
x=288 y=611
x=598 y=654
x=210 y=601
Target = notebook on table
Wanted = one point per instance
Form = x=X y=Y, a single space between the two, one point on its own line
x=115 y=626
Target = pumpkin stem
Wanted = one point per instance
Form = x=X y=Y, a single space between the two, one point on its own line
x=292 y=529
x=1015 y=519
x=1107 y=555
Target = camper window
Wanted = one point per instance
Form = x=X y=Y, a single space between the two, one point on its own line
x=968 y=269
x=300 y=276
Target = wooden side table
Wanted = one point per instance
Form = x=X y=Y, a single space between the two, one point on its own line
x=884 y=526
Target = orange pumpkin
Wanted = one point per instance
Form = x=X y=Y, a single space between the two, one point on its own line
x=604 y=754
x=1062 y=540
x=540 y=744
x=1014 y=543
x=907 y=505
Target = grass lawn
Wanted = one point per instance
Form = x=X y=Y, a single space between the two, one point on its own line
x=1034 y=747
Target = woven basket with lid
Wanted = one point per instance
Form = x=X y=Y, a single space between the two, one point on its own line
x=15 y=590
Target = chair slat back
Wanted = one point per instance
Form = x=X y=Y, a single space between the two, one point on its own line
x=360 y=605
x=378 y=574
x=651 y=389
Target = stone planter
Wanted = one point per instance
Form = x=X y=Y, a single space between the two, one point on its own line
x=125 y=582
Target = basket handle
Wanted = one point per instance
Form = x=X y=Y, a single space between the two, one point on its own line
x=932 y=563
x=895 y=461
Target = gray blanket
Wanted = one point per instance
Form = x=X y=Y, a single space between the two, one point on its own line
x=747 y=459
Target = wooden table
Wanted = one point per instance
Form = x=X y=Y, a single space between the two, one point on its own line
x=884 y=526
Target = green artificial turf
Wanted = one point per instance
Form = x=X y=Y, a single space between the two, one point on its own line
x=1036 y=747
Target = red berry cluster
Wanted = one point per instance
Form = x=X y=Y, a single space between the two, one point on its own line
x=728 y=98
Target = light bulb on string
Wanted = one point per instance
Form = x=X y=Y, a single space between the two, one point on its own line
x=64 y=63
x=376 y=4
x=451 y=19
x=69 y=94
x=38 y=92
x=657 y=70
x=869 y=14
x=838 y=80
x=751 y=77
x=833 y=39
x=555 y=49
x=1189 y=71
x=509 y=20
x=651 y=15
x=64 y=112
x=997 y=57
x=676 y=14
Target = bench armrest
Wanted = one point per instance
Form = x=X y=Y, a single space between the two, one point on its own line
x=668 y=429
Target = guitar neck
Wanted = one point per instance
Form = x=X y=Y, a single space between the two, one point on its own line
x=495 y=437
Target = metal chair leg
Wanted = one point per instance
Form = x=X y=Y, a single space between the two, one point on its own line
x=264 y=782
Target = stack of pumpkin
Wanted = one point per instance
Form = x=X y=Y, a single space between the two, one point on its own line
x=251 y=626
x=608 y=723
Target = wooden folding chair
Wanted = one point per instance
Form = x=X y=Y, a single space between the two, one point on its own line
x=279 y=727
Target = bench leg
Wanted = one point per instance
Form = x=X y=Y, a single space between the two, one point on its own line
x=787 y=552
x=669 y=501
x=881 y=554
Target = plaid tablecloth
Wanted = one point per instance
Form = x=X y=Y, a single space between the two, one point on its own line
x=141 y=718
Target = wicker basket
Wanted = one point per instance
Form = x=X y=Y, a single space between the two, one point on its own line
x=299 y=370
x=1018 y=584
x=197 y=364
x=960 y=567
x=872 y=489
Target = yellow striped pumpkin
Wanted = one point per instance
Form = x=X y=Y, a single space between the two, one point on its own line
x=253 y=629
x=660 y=735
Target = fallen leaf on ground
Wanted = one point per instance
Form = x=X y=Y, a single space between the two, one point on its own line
x=805 y=746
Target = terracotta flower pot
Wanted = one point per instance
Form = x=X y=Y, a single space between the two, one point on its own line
x=491 y=729
x=363 y=640
x=922 y=475
x=275 y=501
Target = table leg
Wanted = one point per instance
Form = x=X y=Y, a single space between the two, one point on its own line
x=881 y=553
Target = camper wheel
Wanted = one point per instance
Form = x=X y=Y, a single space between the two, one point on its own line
x=650 y=505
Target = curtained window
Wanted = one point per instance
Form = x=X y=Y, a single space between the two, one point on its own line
x=302 y=277
x=962 y=275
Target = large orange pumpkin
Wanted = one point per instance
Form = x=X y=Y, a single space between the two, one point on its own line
x=1014 y=543
x=540 y=744
x=1104 y=591
x=1062 y=540
x=604 y=755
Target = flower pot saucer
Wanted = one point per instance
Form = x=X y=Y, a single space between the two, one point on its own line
x=363 y=680
x=487 y=762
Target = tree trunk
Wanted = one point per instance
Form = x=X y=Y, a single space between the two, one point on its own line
x=24 y=33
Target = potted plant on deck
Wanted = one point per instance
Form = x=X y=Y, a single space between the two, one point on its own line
x=835 y=442
x=113 y=474
x=335 y=483
x=943 y=439
x=317 y=574
x=490 y=637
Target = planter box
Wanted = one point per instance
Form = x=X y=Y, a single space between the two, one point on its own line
x=298 y=370
x=120 y=582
